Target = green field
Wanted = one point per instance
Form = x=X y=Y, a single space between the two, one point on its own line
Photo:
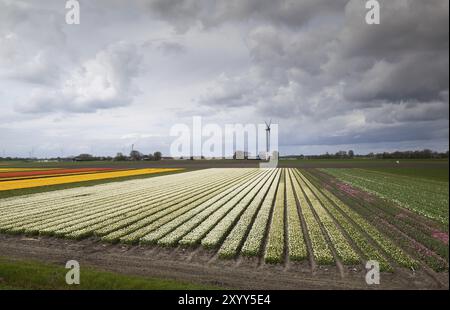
x=430 y=173
x=20 y=274
x=408 y=188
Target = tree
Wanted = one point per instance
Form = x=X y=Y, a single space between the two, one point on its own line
x=135 y=155
x=84 y=157
x=120 y=157
x=351 y=154
x=341 y=154
x=157 y=155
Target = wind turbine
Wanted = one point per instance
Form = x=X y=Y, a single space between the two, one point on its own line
x=268 y=136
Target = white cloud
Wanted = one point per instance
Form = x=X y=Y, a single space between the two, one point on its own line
x=99 y=83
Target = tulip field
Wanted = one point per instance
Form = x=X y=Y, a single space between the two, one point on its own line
x=276 y=215
x=407 y=192
x=16 y=179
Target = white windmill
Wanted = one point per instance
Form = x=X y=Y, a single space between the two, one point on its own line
x=268 y=138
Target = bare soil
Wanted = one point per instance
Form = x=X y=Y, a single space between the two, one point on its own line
x=198 y=265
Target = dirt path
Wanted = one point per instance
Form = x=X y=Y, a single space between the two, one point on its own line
x=201 y=266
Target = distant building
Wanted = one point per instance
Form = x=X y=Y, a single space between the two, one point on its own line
x=267 y=156
x=83 y=157
x=241 y=155
x=275 y=155
x=263 y=155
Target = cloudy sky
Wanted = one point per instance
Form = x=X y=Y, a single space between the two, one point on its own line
x=132 y=69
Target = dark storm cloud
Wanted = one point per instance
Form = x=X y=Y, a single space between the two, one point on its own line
x=183 y=14
x=393 y=73
x=403 y=58
x=409 y=112
x=397 y=132
x=415 y=76
x=314 y=66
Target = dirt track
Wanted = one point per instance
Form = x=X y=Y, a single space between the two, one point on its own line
x=201 y=266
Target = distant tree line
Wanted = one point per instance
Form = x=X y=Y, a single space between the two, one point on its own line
x=138 y=156
x=422 y=154
x=134 y=156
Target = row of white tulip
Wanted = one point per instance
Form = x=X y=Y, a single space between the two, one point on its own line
x=253 y=243
x=35 y=200
x=320 y=248
x=49 y=215
x=274 y=251
x=180 y=225
x=296 y=242
x=80 y=221
x=263 y=201
x=13 y=218
x=140 y=207
x=128 y=189
x=83 y=215
x=53 y=215
x=343 y=249
x=146 y=226
x=205 y=211
x=253 y=199
x=133 y=214
x=211 y=216
x=115 y=230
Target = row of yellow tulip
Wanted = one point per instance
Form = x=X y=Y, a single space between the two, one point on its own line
x=20 y=184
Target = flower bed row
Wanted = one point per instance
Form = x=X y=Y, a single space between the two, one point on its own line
x=275 y=244
x=250 y=202
x=320 y=248
x=135 y=231
x=339 y=242
x=132 y=232
x=191 y=232
x=166 y=203
x=386 y=244
x=261 y=205
x=28 y=183
x=57 y=213
x=296 y=241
